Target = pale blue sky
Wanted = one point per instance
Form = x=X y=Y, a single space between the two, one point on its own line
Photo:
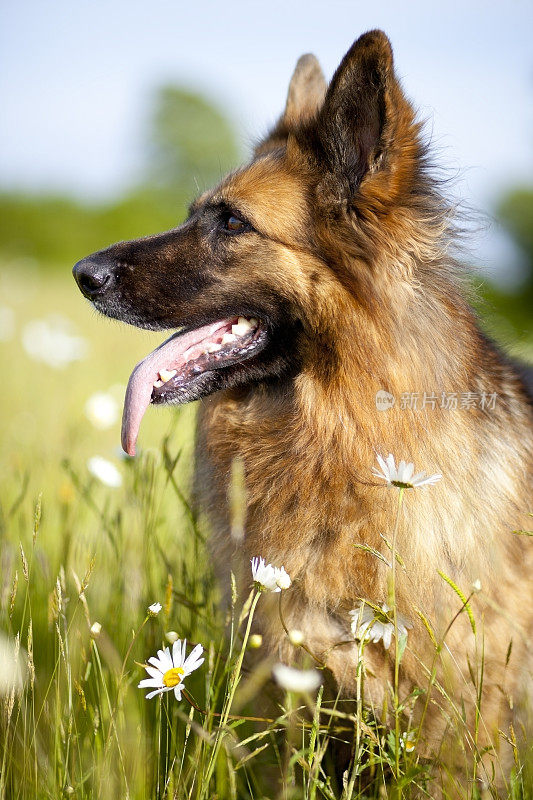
x=75 y=79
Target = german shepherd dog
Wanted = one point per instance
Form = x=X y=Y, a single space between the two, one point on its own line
x=308 y=283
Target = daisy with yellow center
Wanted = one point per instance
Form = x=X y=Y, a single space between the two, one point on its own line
x=169 y=671
x=402 y=476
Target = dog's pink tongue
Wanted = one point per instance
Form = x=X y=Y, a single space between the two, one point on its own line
x=169 y=355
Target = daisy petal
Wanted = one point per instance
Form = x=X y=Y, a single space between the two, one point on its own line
x=153 y=694
x=376 y=632
x=384 y=474
x=408 y=471
x=430 y=480
x=194 y=654
x=164 y=659
x=155 y=673
x=176 y=653
x=382 y=464
x=149 y=682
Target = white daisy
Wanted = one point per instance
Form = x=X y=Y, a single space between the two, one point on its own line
x=169 y=671
x=402 y=477
x=296 y=680
x=154 y=609
x=105 y=471
x=269 y=578
x=408 y=741
x=372 y=625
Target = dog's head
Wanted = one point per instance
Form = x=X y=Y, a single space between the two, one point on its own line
x=281 y=247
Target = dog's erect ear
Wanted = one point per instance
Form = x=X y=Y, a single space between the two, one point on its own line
x=356 y=122
x=307 y=90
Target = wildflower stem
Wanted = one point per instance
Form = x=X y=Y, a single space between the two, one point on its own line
x=396 y=643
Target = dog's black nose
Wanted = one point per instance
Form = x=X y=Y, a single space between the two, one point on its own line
x=94 y=277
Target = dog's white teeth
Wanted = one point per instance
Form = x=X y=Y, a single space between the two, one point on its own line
x=159 y=384
x=214 y=347
x=187 y=355
x=253 y=322
x=228 y=338
x=242 y=327
x=167 y=374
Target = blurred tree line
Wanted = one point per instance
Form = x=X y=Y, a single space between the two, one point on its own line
x=190 y=146
x=515 y=308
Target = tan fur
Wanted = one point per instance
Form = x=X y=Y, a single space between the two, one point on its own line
x=380 y=309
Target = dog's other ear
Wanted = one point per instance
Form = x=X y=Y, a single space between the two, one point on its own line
x=307 y=90
x=357 y=121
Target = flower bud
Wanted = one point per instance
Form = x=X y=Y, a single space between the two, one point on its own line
x=296 y=637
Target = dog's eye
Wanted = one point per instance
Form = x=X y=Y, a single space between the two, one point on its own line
x=235 y=224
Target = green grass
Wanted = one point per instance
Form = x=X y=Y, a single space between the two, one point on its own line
x=75 y=553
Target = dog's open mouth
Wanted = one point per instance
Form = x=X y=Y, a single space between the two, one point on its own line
x=166 y=374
